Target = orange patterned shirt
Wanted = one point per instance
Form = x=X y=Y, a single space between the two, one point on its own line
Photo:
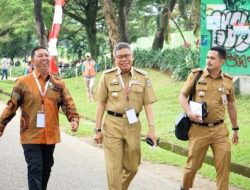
x=26 y=95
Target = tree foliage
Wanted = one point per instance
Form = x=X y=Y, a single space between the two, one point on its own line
x=90 y=25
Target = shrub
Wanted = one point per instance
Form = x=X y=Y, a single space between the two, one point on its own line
x=17 y=71
x=178 y=61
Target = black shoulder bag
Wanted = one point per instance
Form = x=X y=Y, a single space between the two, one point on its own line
x=183 y=123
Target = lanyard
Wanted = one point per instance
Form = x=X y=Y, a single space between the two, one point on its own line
x=42 y=93
x=127 y=89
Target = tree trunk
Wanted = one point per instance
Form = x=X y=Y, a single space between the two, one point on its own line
x=85 y=12
x=91 y=15
x=163 y=29
x=39 y=23
x=124 y=9
x=110 y=18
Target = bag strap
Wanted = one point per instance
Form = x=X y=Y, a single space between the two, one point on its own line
x=193 y=88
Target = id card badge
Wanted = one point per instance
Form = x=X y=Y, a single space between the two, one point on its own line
x=40 y=119
x=224 y=99
x=131 y=115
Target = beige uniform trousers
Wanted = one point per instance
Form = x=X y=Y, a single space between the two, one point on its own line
x=200 y=138
x=90 y=82
x=122 y=151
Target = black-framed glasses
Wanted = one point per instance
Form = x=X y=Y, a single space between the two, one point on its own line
x=125 y=56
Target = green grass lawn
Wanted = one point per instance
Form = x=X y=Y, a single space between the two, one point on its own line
x=166 y=110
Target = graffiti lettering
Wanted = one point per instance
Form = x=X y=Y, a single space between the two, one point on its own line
x=234 y=60
x=227 y=37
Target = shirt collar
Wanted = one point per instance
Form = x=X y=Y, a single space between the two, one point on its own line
x=38 y=75
x=119 y=71
x=206 y=73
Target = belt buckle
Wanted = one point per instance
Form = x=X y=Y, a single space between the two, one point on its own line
x=210 y=124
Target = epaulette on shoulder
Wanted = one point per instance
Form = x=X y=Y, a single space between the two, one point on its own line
x=110 y=70
x=228 y=76
x=196 y=70
x=140 y=71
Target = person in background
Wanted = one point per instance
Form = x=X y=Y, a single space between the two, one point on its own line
x=39 y=95
x=123 y=91
x=216 y=89
x=5 y=66
x=89 y=69
x=29 y=67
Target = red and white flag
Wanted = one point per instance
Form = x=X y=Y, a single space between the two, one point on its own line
x=53 y=36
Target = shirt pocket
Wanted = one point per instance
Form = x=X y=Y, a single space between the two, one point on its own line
x=201 y=93
x=136 y=93
x=115 y=92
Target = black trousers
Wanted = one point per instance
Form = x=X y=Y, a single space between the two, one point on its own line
x=39 y=159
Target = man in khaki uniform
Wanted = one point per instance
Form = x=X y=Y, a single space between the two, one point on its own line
x=216 y=89
x=123 y=91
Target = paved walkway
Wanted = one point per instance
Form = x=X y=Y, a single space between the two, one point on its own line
x=80 y=166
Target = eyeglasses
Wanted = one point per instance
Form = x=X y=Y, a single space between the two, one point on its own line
x=125 y=56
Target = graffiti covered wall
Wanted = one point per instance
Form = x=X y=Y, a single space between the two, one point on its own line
x=226 y=23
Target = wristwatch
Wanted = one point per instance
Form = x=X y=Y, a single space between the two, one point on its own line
x=235 y=128
x=97 y=130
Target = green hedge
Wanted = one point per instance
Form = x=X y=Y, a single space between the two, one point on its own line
x=17 y=71
x=178 y=61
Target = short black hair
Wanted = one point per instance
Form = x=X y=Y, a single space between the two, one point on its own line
x=121 y=45
x=222 y=52
x=37 y=48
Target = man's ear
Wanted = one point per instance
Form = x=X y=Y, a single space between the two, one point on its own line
x=222 y=61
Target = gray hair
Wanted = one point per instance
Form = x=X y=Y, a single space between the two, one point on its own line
x=121 y=45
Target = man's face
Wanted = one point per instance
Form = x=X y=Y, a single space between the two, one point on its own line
x=124 y=59
x=41 y=61
x=213 y=61
x=88 y=57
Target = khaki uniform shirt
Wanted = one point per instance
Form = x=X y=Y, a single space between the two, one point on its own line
x=210 y=90
x=26 y=95
x=111 y=91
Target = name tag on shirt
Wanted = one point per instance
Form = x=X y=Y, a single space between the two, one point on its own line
x=131 y=115
x=40 y=119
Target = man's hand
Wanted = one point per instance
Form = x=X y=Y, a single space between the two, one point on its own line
x=98 y=138
x=74 y=126
x=194 y=117
x=152 y=134
x=235 y=138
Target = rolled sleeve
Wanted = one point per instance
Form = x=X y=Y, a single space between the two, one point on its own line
x=187 y=87
x=149 y=96
x=231 y=95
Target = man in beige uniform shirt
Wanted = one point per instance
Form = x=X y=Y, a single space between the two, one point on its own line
x=216 y=89
x=123 y=91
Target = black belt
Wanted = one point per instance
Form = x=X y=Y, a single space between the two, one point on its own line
x=209 y=124
x=123 y=115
